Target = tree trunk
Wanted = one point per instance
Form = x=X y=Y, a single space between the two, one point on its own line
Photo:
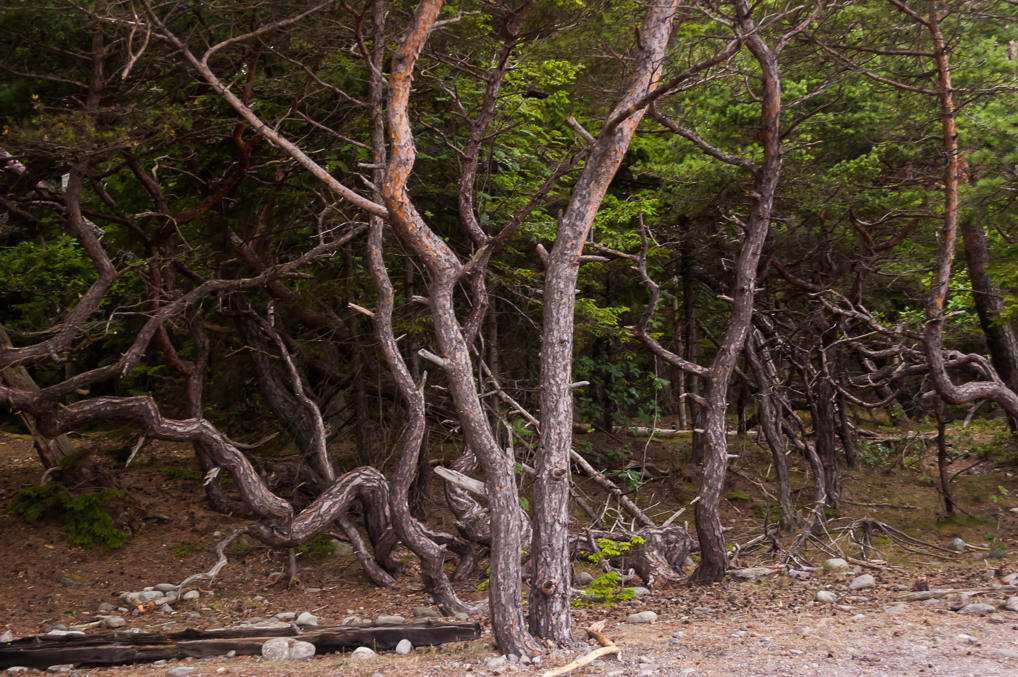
x=822 y=410
x=550 y=582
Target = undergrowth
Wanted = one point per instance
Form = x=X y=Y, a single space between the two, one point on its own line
x=85 y=517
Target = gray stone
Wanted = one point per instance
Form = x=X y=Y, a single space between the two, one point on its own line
x=642 y=617
x=750 y=573
x=6 y=636
x=496 y=662
x=933 y=601
x=276 y=649
x=461 y=615
x=826 y=596
x=978 y=609
x=113 y=622
x=106 y=607
x=583 y=578
x=896 y=609
x=362 y=653
x=65 y=633
x=307 y=618
x=1006 y=653
x=15 y=669
x=404 y=647
x=63 y=667
x=286 y=615
x=142 y=597
x=863 y=582
x=165 y=587
x=639 y=591
x=390 y=619
x=232 y=653
x=341 y=548
x=835 y=564
x=351 y=620
x=301 y=650
x=180 y=671
x=1011 y=604
x=166 y=609
x=800 y=575
x=190 y=595
x=425 y=612
x=956 y=545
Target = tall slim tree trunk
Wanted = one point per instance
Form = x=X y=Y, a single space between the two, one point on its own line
x=550 y=583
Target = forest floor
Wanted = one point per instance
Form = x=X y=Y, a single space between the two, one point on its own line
x=770 y=626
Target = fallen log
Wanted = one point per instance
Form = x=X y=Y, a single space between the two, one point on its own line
x=117 y=648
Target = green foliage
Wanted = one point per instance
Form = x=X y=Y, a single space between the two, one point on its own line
x=85 y=517
x=187 y=548
x=171 y=472
x=606 y=589
x=322 y=546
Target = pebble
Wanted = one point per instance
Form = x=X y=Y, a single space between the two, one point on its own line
x=750 y=573
x=6 y=636
x=287 y=648
x=863 y=582
x=425 y=612
x=165 y=587
x=896 y=609
x=978 y=608
x=956 y=545
x=642 y=617
x=583 y=578
x=113 y=622
x=640 y=591
x=63 y=667
x=390 y=619
x=933 y=601
x=14 y=669
x=190 y=595
x=307 y=618
x=65 y=633
x=404 y=647
x=142 y=597
x=106 y=607
x=362 y=653
x=179 y=671
x=166 y=609
x=461 y=615
x=1011 y=604
x=1006 y=653
x=835 y=564
x=496 y=662
x=826 y=596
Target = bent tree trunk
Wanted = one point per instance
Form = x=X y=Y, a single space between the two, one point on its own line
x=549 y=601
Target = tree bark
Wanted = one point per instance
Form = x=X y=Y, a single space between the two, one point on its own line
x=549 y=600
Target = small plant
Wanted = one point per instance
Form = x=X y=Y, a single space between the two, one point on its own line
x=607 y=589
x=85 y=517
x=173 y=473
x=320 y=547
x=187 y=548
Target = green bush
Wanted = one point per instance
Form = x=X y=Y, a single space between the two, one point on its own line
x=85 y=517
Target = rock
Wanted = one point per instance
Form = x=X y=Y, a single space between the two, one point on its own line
x=978 y=609
x=863 y=582
x=956 y=545
x=6 y=636
x=957 y=601
x=1009 y=654
x=896 y=609
x=179 y=671
x=113 y=622
x=362 y=653
x=933 y=601
x=835 y=564
x=287 y=648
x=70 y=581
x=190 y=595
x=166 y=609
x=15 y=669
x=1011 y=604
x=404 y=647
x=582 y=579
x=307 y=618
x=461 y=616
x=351 y=620
x=496 y=662
x=106 y=607
x=800 y=575
x=285 y=616
x=639 y=591
x=341 y=548
x=826 y=596
x=165 y=587
x=301 y=650
x=750 y=573
x=63 y=667
x=65 y=633
x=642 y=617
x=142 y=597
x=390 y=619
x=425 y=612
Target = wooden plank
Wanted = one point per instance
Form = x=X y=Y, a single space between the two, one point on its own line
x=116 y=648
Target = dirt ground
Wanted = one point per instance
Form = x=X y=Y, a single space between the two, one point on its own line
x=771 y=626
